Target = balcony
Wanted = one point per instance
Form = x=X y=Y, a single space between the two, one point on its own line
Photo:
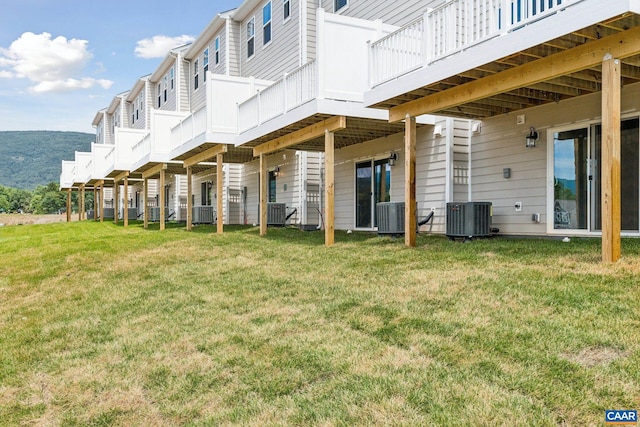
x=140 y=148
x=218 y=120
x=84 y=168
x=452 y=28
x=103 y=160
x=121 y=158
x=332 y=84
x=67 y=176
x=480 y=58
x=289 y=92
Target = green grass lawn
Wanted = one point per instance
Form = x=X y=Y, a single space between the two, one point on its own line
x=102 y=325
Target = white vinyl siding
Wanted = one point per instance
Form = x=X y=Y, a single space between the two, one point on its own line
x=206 y=61
x=501 y=144
x=389 y=12
x=283 y=52
x=234 y=30
x=138 y=111
x=431 y=173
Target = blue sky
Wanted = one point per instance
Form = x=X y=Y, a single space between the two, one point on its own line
x=63 y=60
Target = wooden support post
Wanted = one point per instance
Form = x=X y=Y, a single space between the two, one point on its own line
x=189 y=199
x=329 y=188
x=102 y=203
x=410 y=181
x=145 y=198
x=219 y=198
x=263 y=195
x=81 y=204
x=69 y=205
x=611 y=215
x=116 y=198
x=125 y=217
x=162 y=199
x=95 y=200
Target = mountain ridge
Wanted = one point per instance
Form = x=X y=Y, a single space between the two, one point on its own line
x=32 y=158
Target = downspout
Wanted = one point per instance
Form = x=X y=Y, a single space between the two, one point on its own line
x=176 y=75
x=227 y=45
x=449 y=160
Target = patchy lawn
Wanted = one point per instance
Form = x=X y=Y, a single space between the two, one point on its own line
x=102 y=325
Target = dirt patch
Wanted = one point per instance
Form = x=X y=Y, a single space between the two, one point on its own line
x=25 y=219
x=590 y=357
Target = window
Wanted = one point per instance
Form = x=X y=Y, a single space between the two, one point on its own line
x=286 y=9
x=205 y=63
x=196 y=66
x=266 y=23
x=205 y=194
x=251 y=32
x=159 y=93
x=272 y=187
x=165 y=86
x=216 y=45
x=172 y=75
x=339 y=4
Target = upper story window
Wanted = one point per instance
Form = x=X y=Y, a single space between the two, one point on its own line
x=286 y=9
x=251 y=32
x=196 y=72
x=266 y=23
x=165 y=85
x=172 y=76
x=159 y=93
x=205 y=63
x=339 y=4
x=216 y=46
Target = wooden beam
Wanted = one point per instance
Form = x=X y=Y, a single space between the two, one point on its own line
x=95 y=200
x=189 y=199
x=81 y=204
x=145 y=198
x=102 y=203
x=611 y=215
x=302 y=135
x=329 y=188
x=125 y=217
x=206 y=155
x=410 y=225
x=121 y=176
x=219 y=191
x=152 y=172
x=263 y=194
x=621 y=45
x=162 y=198
x=69 y=205
x=116 y=186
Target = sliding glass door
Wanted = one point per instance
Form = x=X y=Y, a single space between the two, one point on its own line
x=577 y=177
x=373 y=182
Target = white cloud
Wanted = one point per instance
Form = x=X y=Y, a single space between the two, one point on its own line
x=6 y=74
x=69 y=85
x=55 y=65
x=159 y=46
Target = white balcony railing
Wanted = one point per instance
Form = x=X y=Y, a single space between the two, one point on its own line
x=450 y=28
x=291 y=91
x=189 y=128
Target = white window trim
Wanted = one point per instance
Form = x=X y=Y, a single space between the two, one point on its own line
x=342 y=9
x=270 y=23
x=216 y=51
x=288 y=18
x=252 y=19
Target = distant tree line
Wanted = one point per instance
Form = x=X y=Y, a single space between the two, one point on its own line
x=45 y=199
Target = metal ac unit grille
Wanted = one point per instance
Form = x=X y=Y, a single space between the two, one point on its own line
x=133 y=213
x=390 y=217
x=154 y=213
x=276 y=213
x=202 y=215
x=471 y=219
x=108 y=213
